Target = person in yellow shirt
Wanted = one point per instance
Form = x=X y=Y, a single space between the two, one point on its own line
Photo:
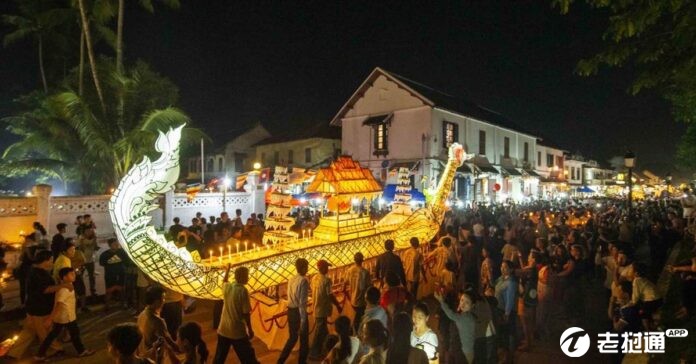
x=413 y=267
x=64 y=259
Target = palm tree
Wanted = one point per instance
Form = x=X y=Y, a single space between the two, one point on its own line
x=90 y=53
x=47 y=146
x=84 y=141
x=38 y=20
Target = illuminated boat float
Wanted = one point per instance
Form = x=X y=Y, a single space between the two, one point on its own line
x=339 y=235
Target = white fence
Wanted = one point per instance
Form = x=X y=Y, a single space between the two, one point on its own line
x=18 y=214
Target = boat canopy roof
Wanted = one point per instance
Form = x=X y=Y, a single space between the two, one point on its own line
x=345 y=177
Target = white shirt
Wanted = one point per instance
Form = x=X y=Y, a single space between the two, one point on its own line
x=427 y=342
x=354 y=347
x=298 y=291
x=65 y=301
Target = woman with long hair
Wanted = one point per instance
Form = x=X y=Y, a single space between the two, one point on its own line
x=374 y=335
x=191 y=343
x=347 y=346
x=400 y=350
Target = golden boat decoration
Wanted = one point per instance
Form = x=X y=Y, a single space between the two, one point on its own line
x=339 y=235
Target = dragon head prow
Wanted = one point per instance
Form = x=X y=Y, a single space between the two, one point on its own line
x=165 y=141
x=457 y=153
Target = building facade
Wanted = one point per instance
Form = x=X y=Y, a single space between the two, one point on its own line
x=391 y=121
x=303 y=153
x=234 y=157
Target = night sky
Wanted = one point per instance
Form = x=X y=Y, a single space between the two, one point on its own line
x=295 y=63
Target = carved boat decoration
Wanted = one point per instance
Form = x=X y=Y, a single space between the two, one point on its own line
x=271 y=265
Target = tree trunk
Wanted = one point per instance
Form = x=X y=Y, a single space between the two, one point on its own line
x=119 y=66
x=119 y=37
x=41 y=66
x=90 y=54
x=81 y=69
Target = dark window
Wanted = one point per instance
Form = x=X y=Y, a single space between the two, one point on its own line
x=539 y=159
x=209 y=165
x=450 y=134
x=308 y=155
x=506 y=147
x=263 y=158
x=291 y=156
x=549 y=160
x=276 y=157
x=526 y=152
x=482 y=142
x=239 y=161
x=220 y=164
x=381 y=139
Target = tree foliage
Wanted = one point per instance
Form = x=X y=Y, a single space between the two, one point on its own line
x=67 y=136
x=658 y=39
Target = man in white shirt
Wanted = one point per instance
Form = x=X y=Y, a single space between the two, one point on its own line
x=358 y=280
x=323 y=298
x=298 y=326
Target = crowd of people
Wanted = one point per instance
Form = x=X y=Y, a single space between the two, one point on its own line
x=501 y=274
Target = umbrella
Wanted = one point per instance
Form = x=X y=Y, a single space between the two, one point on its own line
x=585 y=189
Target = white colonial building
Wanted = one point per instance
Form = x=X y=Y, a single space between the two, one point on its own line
x=391 y=121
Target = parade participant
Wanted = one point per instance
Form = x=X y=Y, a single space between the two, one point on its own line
x=41 y=289
x=414 y=267
x=58 y=240
x=64 y=316
x=298 y=324
x=63 y=260
x=154 y=328
x=357 y=281
x=235 y=323
x=87 y=242
x=389 y=262
x=114 y=271
x=323 y=298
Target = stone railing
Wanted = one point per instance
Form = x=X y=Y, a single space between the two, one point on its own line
x=79 y=205
x=19 y=206
x=18 y=213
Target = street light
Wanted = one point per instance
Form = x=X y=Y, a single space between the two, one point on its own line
x=630 y=162
x=226 y=184
x=257 y=166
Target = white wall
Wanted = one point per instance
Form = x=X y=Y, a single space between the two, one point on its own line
x=543 y=169
x=404 y=136
x=495 y=137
